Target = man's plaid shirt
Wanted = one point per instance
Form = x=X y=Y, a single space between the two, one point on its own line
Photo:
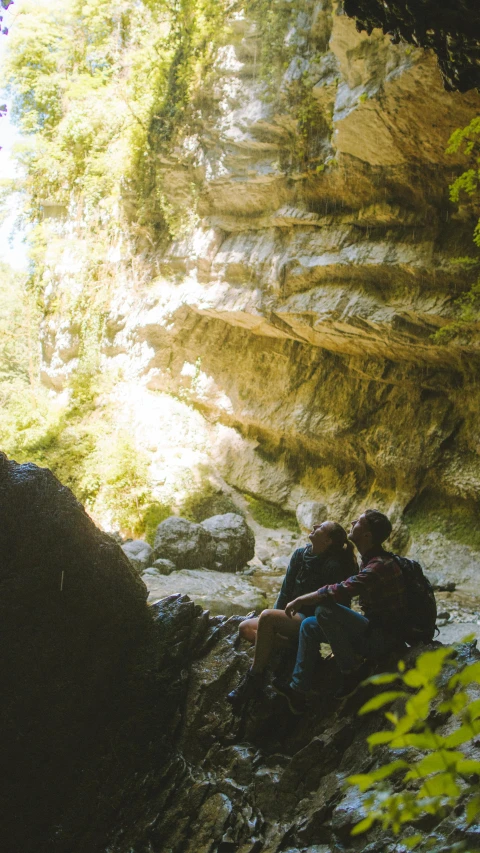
x=380 y=586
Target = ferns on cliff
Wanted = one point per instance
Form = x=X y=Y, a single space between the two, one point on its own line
x=466 y=188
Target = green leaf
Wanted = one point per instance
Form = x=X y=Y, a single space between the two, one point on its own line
x=380 y=700
x=418 y=706
x=441 y=785
x=392 y=718
x=405 y=724
x=468 y=675
x=363 y=780
x=412 y=841
x=463 y=734
x=363 y=825
x=430 y=663
x=383 y=678
x=388 y=769
x=379 y=738
x=436 y=762
x=468 y=765
x=473 y=808
x=413 y=678
x=456 y=703
x=473 y=710
x=422 y=740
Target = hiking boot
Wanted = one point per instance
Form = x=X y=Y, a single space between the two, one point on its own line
x=250 y=685
x=297 y=702
x=351 y=680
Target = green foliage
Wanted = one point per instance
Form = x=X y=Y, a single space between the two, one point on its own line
x=100 y=90
x=467 y=185
x=271 y=515
x=152 y=516
x=19 y=319
x=428 y=773
x=123 y=472
x=275 y=47
x=205 y=502
x=273 y=19
x=467 y=139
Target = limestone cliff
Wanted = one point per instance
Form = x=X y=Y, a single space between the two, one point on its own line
x=296 y=309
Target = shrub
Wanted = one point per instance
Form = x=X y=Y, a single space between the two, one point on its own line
x=434 y=774
x=153 y=515
x=205 y=502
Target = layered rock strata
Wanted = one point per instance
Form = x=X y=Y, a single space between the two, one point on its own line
x=298 y=310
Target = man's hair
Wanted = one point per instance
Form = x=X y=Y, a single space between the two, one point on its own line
x=380 y=526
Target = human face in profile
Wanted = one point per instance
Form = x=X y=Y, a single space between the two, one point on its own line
x=320 y=537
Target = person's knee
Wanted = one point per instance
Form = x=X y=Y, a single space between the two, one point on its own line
x=324 y=613
x=245 y=630
x=309 y=627
x=268 y=617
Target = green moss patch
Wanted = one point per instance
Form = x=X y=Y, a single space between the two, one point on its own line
x=271 y=515
x=456 y=519
x=205 y=502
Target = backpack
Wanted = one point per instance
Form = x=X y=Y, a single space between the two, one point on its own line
x=421 y=604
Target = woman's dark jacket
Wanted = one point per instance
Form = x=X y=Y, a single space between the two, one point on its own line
x=308 y=572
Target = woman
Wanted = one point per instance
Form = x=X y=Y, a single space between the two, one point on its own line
x=328 y=559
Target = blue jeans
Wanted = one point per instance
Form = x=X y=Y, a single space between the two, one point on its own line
x=346 y=632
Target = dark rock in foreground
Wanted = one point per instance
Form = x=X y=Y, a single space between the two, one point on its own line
x=71 y=609
x=265 y=783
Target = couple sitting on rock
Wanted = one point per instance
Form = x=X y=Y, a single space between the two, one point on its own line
x=313 y=607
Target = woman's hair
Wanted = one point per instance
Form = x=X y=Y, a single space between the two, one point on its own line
x=341 y=546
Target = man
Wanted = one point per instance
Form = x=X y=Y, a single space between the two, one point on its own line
x=354 y=639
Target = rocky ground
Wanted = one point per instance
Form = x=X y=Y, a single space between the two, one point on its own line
x=116 y=736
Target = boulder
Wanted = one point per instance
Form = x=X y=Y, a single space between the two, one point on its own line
x=309 y=513
x=72 y=610
x=234 y=540
x=186 y=544
x=164 y=567
x=214 y=591
x=139 y=553
x=281 y=563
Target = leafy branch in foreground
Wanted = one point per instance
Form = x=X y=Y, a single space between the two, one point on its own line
x=429 y=772
x=466 y=139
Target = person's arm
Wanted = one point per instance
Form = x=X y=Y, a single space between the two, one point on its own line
x=354 y=586
x=286 y=590
x=311 y=599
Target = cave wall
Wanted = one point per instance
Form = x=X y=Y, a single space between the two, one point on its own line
x=298 y=307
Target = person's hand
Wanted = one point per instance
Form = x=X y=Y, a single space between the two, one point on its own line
x=309 y=600
x=293 y=607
